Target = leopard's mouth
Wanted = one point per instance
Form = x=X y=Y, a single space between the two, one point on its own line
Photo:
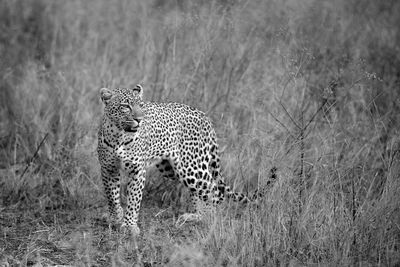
x=131 y=126
x=131 y=129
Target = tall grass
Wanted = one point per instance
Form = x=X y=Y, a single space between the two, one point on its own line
x=310 y=87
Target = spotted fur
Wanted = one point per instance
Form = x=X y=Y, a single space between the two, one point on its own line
x=177 y=138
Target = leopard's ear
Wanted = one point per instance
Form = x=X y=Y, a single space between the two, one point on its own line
x=105 y=94
x=139 y=89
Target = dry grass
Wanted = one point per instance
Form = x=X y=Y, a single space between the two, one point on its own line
x=310 y=87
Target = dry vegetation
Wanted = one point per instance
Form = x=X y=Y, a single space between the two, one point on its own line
x=311 y=87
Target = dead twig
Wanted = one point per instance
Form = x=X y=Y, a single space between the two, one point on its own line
x=34 y=155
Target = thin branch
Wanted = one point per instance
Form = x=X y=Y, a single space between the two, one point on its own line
x=34 y=155
x=294 y=122
x=303 y=129
x=315 y=114
x=280 y=123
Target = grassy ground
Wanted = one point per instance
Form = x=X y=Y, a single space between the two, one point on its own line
x=311 y=87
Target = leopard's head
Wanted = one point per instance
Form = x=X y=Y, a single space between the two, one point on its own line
x=123 y=107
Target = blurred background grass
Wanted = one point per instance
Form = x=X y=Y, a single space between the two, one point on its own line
x=311 y=87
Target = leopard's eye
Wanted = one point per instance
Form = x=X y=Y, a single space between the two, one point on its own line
x=124 y=109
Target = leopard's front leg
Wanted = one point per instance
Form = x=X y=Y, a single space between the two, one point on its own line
x=136 y=174
x=111 y=181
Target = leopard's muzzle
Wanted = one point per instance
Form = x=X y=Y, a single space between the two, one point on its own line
x=131 y=126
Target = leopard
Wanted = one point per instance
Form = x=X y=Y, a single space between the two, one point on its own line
x=178 y=139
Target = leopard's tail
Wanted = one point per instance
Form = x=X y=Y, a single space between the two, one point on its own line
x=222 y=190
x=225 y=189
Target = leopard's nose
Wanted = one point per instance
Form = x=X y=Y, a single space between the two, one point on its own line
x=137 y=112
